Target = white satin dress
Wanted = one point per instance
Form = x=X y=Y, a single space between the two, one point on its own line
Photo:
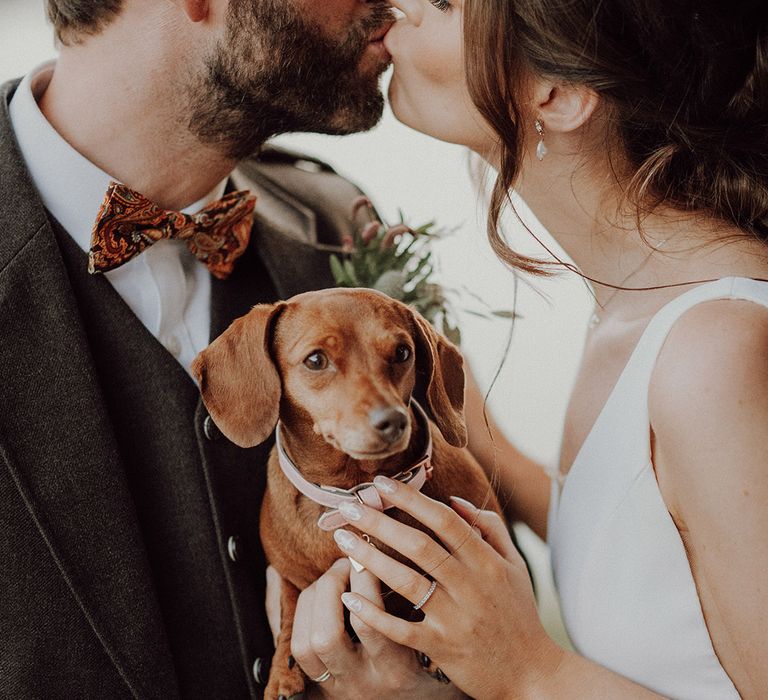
x=627 y=593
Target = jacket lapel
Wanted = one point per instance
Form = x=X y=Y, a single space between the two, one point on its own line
x=285 y=235
x=56 y=440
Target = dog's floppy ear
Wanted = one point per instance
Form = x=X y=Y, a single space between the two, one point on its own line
x=443 y=366
x=238 y=381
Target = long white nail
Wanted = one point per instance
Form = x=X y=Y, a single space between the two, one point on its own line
x=352 y=602
x=385 y=484
x=350 y=511
x=464 y=502
x=345 y=540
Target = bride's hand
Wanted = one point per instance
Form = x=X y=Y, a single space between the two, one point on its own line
x=481 y=626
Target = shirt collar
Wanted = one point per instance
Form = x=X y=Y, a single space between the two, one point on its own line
x=71 y=187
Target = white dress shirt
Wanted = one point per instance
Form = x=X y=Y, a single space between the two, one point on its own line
x=166 y=286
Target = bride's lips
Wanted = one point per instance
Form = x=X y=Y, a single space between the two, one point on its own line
x=386 y=40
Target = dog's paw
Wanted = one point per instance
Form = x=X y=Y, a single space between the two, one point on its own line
x=286 y=681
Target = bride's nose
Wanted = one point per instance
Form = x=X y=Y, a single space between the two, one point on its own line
x=410 y=10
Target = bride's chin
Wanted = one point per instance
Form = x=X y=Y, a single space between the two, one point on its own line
x=406 y=118
x=405 y=112
x=393 y=98
x=426 y=119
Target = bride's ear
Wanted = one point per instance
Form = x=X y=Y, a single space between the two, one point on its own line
x=563 y=108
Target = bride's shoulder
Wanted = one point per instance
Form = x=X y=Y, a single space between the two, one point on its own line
x=711 y=345
x=708 y=398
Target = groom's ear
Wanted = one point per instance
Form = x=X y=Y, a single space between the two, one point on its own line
x=195 y=10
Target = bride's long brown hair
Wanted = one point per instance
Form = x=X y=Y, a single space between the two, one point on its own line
x=686 y=83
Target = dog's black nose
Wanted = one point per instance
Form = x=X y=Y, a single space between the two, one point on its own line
x=390 y=422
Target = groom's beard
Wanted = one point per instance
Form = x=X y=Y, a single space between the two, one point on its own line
x=276 y=73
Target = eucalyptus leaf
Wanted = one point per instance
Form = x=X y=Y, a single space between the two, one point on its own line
x=349 y=269
x=453 y=334
x=338 y=271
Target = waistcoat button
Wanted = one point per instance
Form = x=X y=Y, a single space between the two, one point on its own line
x=233 y=550
x=261 y=670
x=210 y=429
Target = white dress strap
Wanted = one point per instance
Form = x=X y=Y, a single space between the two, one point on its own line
x=643 y=359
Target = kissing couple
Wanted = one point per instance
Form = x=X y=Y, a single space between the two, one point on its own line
x=635 y=132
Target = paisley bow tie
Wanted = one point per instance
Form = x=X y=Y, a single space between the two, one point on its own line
x=128 y=223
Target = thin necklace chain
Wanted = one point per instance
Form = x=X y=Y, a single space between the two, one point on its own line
x=595 y=318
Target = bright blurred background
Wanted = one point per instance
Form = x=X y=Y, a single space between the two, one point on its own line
x=427 y=179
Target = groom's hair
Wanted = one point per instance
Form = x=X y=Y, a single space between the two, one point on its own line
x=72 y=19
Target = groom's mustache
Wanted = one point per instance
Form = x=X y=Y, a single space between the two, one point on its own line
x=381 y=15
x=349 y=52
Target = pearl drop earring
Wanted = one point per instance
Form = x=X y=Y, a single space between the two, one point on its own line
x=541 y=149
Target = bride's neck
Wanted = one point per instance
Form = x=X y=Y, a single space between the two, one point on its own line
x=584 y=208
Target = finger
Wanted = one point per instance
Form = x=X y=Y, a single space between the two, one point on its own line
x=328 y=638
x=491 y=526
x=368 y=586
x=347 y=244
x=272 y=601
x=301 y=647
x=392 y=234
x=362 y=202
x=370 y=231
x=399 y=577
x=409 y=634
x=452 y=530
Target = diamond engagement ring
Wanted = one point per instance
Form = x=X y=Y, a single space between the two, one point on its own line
x=426 y=597
x=323 y=678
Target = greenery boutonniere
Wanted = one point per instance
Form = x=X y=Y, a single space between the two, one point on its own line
x=398 y=261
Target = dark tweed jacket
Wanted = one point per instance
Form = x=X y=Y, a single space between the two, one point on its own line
x=130 y=564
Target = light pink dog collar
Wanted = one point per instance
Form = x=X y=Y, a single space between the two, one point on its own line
x=366 y=493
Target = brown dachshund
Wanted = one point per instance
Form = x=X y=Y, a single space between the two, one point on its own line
x=337 y=369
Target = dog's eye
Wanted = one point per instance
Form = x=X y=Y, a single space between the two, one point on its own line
x=316 y=361
x=402 y=353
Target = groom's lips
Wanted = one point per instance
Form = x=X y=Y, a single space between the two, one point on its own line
x=376 y=42
x=381 y=32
